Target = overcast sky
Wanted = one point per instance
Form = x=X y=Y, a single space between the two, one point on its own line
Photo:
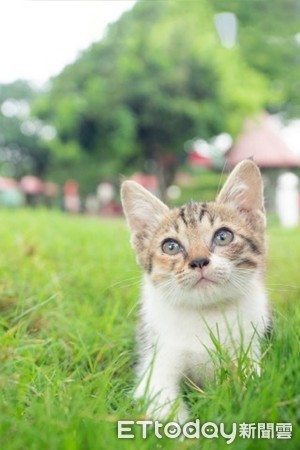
x=38 y=38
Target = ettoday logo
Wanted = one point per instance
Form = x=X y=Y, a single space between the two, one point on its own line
x=129 y=429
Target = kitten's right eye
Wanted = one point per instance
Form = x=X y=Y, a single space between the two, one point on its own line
x=223 y=237
x=171 y=247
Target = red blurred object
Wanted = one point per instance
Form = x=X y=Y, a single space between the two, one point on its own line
x=71 y=196
x=196 y=159
x=71 y=188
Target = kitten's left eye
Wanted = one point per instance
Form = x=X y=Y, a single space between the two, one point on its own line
x=171 y=247
x=223 y=237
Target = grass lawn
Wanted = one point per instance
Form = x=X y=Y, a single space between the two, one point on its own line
x=68 y=301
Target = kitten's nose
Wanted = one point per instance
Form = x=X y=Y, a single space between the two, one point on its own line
x=199 y=263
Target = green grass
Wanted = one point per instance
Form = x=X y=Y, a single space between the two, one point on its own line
x=68 y=303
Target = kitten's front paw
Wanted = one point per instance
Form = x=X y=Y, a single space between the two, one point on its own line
x=167 y=412
x=182 y=415
x=162 y=404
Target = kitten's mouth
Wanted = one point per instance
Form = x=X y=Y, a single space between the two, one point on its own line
x=204 y=282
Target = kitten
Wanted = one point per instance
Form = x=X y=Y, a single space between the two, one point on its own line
x=203 y=266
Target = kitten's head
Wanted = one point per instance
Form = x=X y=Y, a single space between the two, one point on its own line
x=202 y=251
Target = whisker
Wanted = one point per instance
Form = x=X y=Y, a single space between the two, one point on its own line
x=118 y=284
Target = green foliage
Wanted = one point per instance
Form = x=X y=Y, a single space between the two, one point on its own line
x=22 y=148
x=157 y=79
x=18 y=90
x=270 y=47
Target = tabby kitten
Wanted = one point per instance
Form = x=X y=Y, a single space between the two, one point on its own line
x=203 y=269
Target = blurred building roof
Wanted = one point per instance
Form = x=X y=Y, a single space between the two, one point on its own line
x=261 y=140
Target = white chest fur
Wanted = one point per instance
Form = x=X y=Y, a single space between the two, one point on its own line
x=178 y=342
x=183 y=333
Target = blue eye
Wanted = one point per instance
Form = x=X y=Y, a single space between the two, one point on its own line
x=223 y=237
x=171 y=247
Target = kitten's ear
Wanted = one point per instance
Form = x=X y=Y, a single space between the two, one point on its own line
x=244 y=188
x=143 y=210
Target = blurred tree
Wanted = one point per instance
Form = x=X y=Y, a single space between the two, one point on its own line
x=19 y=90
x=269 y=41
x=157 y=79
x=23 y=147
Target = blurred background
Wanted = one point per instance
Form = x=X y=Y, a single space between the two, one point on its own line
x=170 y=93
